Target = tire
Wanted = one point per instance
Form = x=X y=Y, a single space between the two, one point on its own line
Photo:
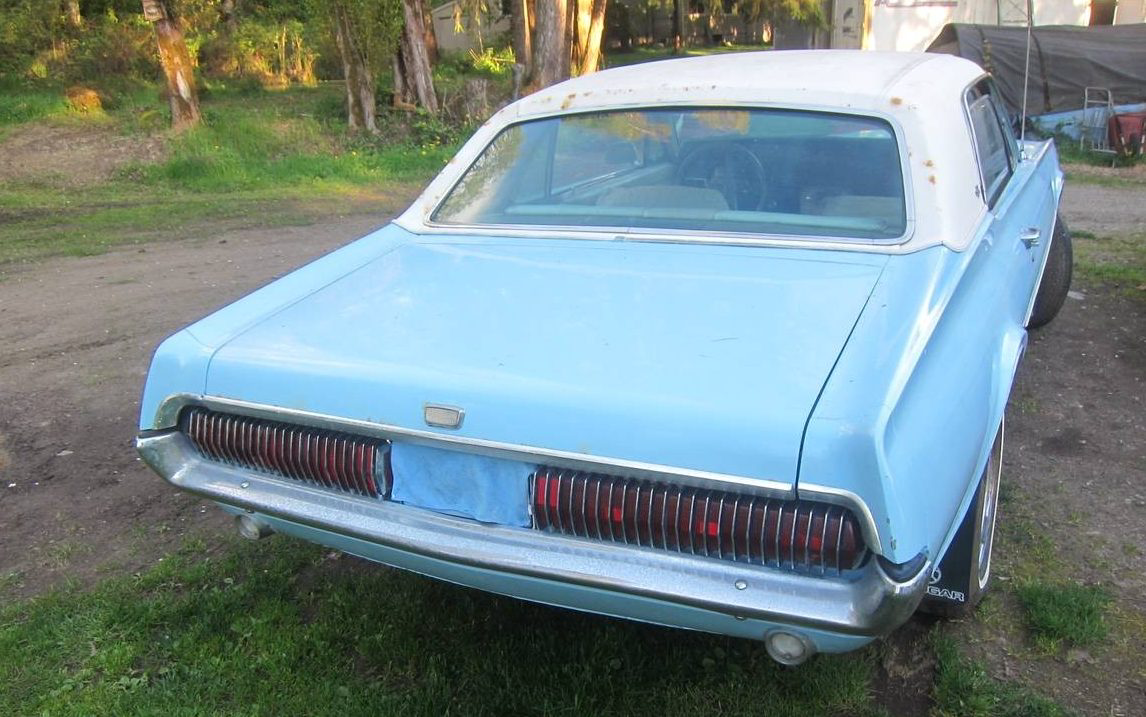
x=962 y=577
x=1056 y=277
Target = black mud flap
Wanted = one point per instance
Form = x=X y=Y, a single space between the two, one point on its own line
x=952 y=576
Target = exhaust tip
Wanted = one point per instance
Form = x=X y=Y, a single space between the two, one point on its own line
x=788 y=648
x=252 y=528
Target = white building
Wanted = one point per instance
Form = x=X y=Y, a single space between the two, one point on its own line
x=911 y=25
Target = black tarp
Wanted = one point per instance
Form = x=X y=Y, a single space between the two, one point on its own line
x=1065 y=60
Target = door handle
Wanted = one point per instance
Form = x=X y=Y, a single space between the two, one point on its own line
x=1030 y=236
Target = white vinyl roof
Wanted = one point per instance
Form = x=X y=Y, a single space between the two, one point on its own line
x=837 y=78
x=920 y=94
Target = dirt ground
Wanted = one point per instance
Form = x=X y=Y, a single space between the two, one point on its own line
x=74 y=156
x=76 y=336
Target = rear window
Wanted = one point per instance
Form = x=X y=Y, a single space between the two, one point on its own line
x=761 y=171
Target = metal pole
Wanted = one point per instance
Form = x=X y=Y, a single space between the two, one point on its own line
x=1026 y=77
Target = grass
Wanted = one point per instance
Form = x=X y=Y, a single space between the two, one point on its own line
x=1064 y=613
x=1119 y=261
x=21 y=103
x=279 y=628
x=262 y=159
x=964 y=689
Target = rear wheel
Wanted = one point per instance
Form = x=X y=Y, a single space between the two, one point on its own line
x=1056 y=277
x=962 y=576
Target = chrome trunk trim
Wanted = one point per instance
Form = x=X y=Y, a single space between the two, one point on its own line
x=167 y=416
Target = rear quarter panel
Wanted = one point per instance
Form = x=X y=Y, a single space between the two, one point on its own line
x=909 y=414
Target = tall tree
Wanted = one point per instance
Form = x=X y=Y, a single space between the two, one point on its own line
x=356 y=68
x=551 y=43
x=413 y=79
x=677 y=25
x=431 y=38
x=229 y=13
x=72 y=13
x=588 y=26
x=176 y=62
x=522 y=20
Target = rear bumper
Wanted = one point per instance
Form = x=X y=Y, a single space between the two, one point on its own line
x=834 y=613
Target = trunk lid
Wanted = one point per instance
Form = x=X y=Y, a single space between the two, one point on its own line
x=708 y=358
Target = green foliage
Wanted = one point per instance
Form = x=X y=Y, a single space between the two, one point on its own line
x=274 y=53
x=376 y=25
x=278 y=628
x=1065 y=612
x=964 y=689
x=25 y=102
x=37 y=43
x=807 y=12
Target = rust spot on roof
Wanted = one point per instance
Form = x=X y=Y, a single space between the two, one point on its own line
x=931 y=179
x=568 y=100
x=929 y=163
x=897 y=101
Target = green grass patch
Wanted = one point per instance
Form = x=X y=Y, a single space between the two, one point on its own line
x=964 y=689
x=277 y=628
x=1064 y=612
x=260 y=159
x=21 y=103
x=292 y=138
x=1118 y=261
x=38 y=221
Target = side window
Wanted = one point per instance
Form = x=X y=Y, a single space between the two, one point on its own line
x=1005 y=119
x=584 y=153
x=990 y=146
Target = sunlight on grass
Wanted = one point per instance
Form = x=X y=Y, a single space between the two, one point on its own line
x=260 y=160
x=278 y=627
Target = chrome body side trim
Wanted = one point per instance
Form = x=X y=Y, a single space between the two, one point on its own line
x=865 y=603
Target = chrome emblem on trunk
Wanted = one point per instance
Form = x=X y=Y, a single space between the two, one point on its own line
x=440 y=416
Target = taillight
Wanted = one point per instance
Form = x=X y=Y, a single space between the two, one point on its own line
x=329 y=459
x=799 y=535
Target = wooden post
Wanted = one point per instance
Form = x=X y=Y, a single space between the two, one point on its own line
x=176 y=62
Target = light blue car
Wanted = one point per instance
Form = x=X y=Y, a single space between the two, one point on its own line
x=722 y=343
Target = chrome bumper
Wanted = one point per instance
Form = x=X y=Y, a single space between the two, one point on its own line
x=868 y=604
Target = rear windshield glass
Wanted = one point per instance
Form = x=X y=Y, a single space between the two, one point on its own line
x=762 y=171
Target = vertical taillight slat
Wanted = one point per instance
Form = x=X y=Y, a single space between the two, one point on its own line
x=318 y=457
x=791 y=534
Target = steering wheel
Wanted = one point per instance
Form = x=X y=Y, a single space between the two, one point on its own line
x=729 y=168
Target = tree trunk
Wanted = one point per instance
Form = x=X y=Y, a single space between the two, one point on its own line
x=72 y=13
x=587 y=39
x=677 y=25
x=550 y=44
x=229 y=11
x=431 y=38
x=580 y=17
x=413 y=79
x=356 y=70
x=522 y=37
x=176 y=62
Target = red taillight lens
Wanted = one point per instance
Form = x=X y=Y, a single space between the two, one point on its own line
x=800 y=535
x=330 y=459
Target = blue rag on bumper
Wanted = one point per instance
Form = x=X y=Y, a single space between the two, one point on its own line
x=491 y=490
